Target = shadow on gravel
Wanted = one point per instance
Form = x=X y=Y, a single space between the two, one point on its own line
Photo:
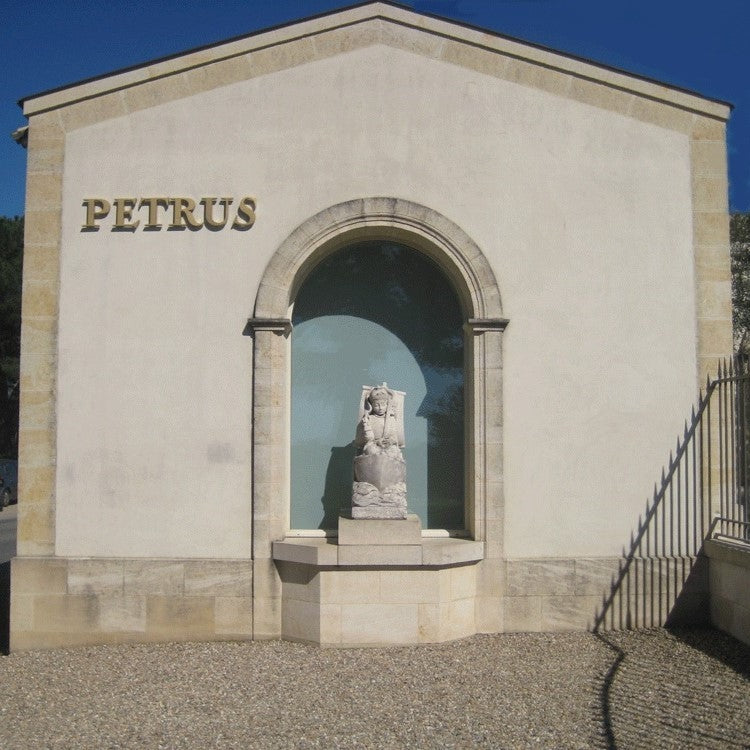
x=719 y=646
x=5 y=607
x=675 y=688
x=605 y=690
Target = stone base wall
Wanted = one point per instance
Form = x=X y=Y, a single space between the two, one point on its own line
x=67 y=602
x=729 y=577
x=59 y=602
x=556 y=595
x=381 y=605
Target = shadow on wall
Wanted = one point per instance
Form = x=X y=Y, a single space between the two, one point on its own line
x=657 y=592
x=705 y=487
x=337 y=493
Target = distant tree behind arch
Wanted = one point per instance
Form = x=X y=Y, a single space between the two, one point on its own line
x=739 y=235
x=11 y=261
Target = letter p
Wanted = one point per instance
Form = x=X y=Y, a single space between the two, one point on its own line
x=96 y=210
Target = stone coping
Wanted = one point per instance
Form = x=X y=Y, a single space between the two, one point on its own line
x=726 y=549
x=430 y=553
x=444 y=34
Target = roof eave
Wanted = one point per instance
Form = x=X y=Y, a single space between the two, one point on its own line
x=360 y=13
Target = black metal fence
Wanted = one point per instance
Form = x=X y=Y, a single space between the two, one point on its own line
x=704 y=490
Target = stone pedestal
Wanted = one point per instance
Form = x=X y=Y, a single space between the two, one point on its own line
x=364 y=594
x=380 y=531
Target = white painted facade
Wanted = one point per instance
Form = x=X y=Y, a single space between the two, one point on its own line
x=585 y=213
x=584 y=216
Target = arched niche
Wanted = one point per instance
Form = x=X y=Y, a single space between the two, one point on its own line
x=464 y=265
x=372 y=312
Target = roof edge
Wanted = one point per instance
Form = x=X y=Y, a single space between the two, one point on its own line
x=204 y=47
x=361 y=12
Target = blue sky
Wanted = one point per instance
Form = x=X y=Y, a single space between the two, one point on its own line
x=694 y=44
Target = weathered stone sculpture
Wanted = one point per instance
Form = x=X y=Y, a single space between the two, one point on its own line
x=379 y=489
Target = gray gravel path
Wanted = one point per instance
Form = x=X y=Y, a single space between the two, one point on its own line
x=651 y=689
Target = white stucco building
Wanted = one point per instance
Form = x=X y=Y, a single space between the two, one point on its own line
x=184 y=423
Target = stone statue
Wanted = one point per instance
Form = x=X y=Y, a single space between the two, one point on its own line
x=379 y=489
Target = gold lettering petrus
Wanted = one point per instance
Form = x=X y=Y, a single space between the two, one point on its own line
x=178 y=213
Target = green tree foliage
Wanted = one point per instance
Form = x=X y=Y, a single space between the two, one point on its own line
x=739 y=234
x=11 y=255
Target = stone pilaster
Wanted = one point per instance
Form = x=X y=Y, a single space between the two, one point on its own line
x=270 y=466
x=486 y=511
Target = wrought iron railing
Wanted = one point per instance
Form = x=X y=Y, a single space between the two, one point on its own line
x=708 y=475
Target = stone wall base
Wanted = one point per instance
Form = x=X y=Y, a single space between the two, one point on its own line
x=583 y=593
x=450 y=592
x=70 y=602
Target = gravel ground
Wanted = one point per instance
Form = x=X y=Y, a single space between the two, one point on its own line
x=649 y=689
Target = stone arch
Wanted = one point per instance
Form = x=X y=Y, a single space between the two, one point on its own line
x=378 y=218
x=464 y=264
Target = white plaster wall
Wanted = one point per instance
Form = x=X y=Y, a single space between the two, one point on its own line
x=584 y=214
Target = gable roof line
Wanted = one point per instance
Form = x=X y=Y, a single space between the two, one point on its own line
x=556 y=52
x=211 y=45
x=392 y=12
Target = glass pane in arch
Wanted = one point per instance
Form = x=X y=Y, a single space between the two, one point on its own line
x=374 y=312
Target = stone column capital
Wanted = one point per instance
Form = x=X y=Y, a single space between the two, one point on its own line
x=282 y=326
x=485 y=325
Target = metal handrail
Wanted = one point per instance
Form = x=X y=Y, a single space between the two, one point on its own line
x=721 y=521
